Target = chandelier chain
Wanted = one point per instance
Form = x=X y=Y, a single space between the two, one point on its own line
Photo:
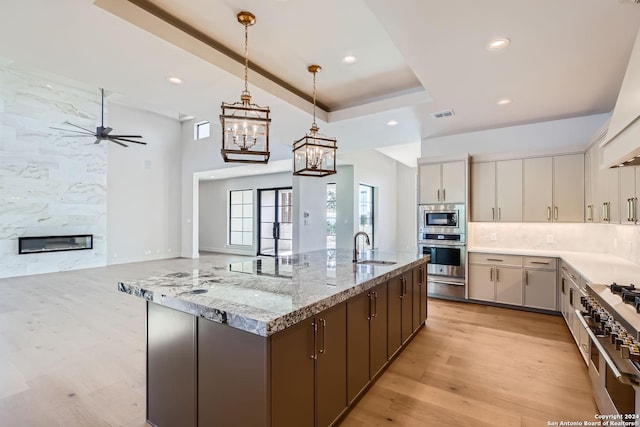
x=246 y=57
x=314 y=99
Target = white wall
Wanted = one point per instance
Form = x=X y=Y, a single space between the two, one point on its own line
x=213 y=209
x=144 y=184
x=49 y=184
x=546 y=137
x=407 y=208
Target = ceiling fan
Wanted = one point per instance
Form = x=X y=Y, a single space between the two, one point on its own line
x=102 y=133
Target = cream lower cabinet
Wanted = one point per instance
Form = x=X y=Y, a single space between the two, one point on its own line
x=495 y=278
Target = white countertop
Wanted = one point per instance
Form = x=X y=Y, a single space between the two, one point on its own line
x=597 y=268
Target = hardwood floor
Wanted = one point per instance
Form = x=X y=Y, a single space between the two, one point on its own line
x=72 y=354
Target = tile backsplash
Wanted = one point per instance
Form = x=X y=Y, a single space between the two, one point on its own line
x=619 y=240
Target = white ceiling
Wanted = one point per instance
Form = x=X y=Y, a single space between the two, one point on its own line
x=566 y=59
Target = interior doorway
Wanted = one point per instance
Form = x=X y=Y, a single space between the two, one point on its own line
x=275 y=222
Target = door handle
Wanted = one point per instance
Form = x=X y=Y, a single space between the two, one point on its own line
x=493 y=214
x=562 y=282
x=370 y=315
x=444 y=195
x=499 y=214
x=590 y=210
x=634 y=216
x=526 y=277
x=497 y=274
x=555 y=213
x=375 y=304
x=438 y=194
x=323 y=322
x=491 y=274
x=548 y=213
x=314 y=326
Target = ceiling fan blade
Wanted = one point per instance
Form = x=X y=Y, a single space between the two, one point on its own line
x=125 y=136
x=79 y=127
x=98 y=141
x=74 y=131
x=78 y=136
x=105 y=131
x=118 y=142
x=128 y=140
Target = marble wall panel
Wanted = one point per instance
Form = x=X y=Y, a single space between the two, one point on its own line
x=50 y=183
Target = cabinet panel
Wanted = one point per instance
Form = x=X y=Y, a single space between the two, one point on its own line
x=568 y=188
x=509 y=190
x=378 y=330
x=357 y=344
x=430 y=183
x=508 y=285
x=498 y=259
x=454 y=179
x=293 y=376
x=481 y=282
x=419 y=296
x=407 y=307
x=331 y=374
x=538 y=189
x=540 y=289
x=483 y=191
x=394 y=319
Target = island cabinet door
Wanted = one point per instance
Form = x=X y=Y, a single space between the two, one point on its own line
x=331 y=364
x=394 y=315
x=378 y=330
x=407 y=306
x=419 y=296
x=293 y=353
x=358 y=317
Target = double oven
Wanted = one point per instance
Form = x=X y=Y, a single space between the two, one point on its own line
x=441 y=234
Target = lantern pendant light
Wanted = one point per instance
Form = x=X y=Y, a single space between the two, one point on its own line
x=245 y=126
x=314 y=154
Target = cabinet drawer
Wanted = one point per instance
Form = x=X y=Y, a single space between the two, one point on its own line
x=540 y=262
x=570 y=273
x=497 y=259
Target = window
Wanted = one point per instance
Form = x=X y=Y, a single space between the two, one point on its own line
x=201 y=130
x=366 y=211
x=331 y=216
x=241 y=217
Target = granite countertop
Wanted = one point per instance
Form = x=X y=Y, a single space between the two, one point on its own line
x=596 y=268
x=266 y=295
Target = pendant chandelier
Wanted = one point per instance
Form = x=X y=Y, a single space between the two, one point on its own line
x=245 y=126
x=314 y=154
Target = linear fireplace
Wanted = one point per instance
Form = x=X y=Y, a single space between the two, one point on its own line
x=39 y=244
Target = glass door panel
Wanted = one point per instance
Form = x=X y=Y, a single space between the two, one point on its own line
x=275 y=221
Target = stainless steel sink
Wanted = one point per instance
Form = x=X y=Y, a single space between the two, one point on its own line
x=376 y=262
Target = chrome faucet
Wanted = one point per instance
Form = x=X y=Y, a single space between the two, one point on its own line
x=355 y=243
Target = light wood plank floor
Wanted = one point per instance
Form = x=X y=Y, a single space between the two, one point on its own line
x=72 y=354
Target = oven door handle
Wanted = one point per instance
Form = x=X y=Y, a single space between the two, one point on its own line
x=601 y=350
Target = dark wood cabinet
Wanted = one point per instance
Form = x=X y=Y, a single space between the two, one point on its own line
x=394 y=315
x=309 y=371
x=419 y=296
x=366 y=338
x=407 y=306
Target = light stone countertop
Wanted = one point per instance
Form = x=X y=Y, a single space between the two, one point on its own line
x=596 y=268
x=266 y=295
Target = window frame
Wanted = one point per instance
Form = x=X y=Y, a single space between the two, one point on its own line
x=372 y=202
x=196 y=130
x=242 y=218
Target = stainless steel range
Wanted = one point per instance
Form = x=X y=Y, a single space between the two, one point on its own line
x=441 y=234
x=611 y=319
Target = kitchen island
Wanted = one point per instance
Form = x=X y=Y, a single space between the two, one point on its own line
x=276 y=342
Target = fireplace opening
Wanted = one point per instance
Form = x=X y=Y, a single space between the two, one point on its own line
x=39 y=244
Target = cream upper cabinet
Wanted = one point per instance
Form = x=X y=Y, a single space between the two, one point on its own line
x=568 y=188
x=509 y=190
x=554 y=189
x=483 y=191
x=496 y=191
x=608 y=207
x=590 y=169
x=538 y=189
x=443 y=182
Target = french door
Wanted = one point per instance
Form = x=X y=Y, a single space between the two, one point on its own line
x=275 y=222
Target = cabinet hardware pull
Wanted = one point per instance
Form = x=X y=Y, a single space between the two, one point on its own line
x=555 y=213
x=444 y=195
x=571 y=297
x=494 y=259
x=634 y=215
x=499 y=214
x=628 y=210
x=370 y=315
x=375 y=304
x=438 y=194
x=322 y=335
x=604 y=211
x=563 y=268
x=609 y=211
x=421 y=270
x=526 y=278
x=404 y=286
x=497 y=274
x=493 y=214
x=573 y=277
x=548 y=213
x=540 y=262
x=589 y=213
x=314 y=325
x=491 y=274
x=562 y=282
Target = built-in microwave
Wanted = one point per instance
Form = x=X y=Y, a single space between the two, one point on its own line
x=442 y=218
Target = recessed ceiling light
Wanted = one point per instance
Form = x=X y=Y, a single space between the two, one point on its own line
x=175 y=80
x=504 y=101
x=212 y=176
x=349 y=59
x=392 y=123
x=498 y=44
